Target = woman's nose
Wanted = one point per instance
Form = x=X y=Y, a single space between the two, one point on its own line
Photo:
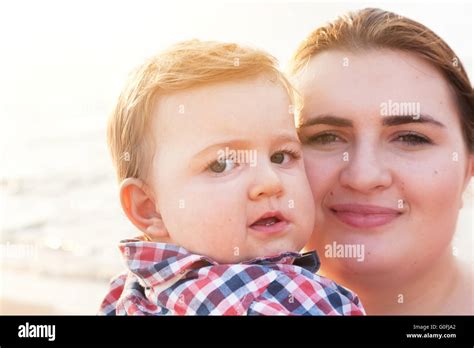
x=266 y=183
x=366 y=169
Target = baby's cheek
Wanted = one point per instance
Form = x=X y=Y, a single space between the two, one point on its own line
x=212 y=226
x=301 y=202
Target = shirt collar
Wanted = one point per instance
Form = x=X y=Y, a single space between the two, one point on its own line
x=156 y=263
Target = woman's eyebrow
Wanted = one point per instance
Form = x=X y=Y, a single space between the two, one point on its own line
x=398 y=120
x=387 y=120
x=328 y=120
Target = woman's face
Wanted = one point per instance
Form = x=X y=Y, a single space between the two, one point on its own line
x=385 y=158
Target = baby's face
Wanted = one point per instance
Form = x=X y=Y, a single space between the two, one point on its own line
x=228 y=177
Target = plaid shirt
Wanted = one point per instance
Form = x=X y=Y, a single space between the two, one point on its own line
x=164 y=279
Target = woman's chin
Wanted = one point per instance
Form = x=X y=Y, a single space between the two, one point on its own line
x=344 y=267
x=349 y=260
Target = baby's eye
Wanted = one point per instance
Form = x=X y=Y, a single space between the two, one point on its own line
x=283 y=157
x=221 y=166
x=413 y=139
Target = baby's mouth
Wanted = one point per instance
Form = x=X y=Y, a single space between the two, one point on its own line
x=266 y=221
x=270 y=222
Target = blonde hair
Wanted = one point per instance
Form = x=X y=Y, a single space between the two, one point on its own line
x=376 y=28
x=185 y=65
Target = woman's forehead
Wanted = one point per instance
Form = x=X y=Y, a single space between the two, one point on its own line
x=344 y=82
x=372 y=65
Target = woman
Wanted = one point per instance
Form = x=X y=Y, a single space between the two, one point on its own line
x=387 y=132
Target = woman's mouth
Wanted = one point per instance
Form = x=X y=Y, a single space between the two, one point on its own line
x=364 y=216
x=270 y=222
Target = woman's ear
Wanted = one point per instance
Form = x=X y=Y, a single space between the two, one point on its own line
x=138 y=204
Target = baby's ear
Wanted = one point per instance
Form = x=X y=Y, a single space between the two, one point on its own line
x=138 y=204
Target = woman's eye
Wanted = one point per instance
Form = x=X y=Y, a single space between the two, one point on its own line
x=283 y=157
x=222 y=166
x=324 y=139
x=413 y=139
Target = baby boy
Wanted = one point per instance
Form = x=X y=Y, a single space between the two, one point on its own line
x=211 y=171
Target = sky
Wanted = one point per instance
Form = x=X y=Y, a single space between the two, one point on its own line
x=63 y=63
x=68 y=54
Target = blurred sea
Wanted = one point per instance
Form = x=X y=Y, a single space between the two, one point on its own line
x=60 y=214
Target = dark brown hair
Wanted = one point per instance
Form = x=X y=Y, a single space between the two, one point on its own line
x=376 y=28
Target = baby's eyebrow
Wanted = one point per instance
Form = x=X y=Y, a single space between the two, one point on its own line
x=236 y=143
x=246 y=144
x=285 y=138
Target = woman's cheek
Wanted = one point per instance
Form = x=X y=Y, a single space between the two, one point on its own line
x=432 y=185
x=322 y=175
x=431 y=191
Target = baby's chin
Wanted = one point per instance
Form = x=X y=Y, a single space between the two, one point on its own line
x=253 y=248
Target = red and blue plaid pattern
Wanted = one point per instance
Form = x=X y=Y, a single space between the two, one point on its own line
x=165 y=279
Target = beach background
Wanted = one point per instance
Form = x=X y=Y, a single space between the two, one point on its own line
x=61 y=68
